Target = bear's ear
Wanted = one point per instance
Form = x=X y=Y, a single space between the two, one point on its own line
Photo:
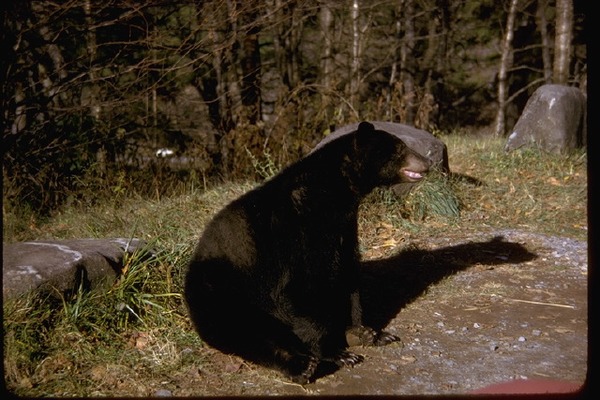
x=363 y=135
x=365 y=127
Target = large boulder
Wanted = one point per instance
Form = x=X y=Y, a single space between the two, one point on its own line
x=63 y=265
x=554 y=119
x=419 y=140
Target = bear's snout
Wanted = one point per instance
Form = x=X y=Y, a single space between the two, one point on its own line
x=415 y=168
x=412 y=175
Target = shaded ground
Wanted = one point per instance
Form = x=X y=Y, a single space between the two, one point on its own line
x=497 y=306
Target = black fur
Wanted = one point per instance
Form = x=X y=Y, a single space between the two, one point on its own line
x=274 y=278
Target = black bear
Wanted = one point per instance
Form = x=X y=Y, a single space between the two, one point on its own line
x=275 y=275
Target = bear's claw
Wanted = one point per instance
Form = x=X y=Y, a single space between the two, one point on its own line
x=348 y=359
x=384 y=338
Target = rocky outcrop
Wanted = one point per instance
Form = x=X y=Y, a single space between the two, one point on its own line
x=419 y=140
x=554 y=119
x=63 y=265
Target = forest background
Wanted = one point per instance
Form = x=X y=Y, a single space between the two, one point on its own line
x=91 y=91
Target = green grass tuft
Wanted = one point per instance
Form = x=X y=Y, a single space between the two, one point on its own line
x=435 y=197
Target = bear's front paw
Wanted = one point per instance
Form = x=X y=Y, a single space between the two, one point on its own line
x=384 y=338
x=365 y=336
x=361 y=335
x=348 y=359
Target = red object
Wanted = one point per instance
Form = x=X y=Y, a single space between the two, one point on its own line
x=531 y=386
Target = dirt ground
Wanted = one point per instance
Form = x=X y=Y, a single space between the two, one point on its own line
x=494 y=307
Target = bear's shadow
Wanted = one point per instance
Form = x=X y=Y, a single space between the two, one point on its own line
x=388 y=285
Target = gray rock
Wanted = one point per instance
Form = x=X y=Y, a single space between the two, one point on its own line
x=554 y=119
x=163 y=393
x=419 y=140
x=62 y=264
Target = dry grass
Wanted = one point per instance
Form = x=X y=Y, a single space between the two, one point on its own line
x=92 y=345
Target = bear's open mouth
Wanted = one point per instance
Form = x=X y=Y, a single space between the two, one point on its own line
x=412 y=175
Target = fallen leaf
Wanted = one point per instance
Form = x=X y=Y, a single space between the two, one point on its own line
x=553 y=181
x=408 y=359
x=563 y=330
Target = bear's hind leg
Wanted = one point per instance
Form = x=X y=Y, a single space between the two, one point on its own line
x=266 y=341
x=261 y=339
x=227 y=318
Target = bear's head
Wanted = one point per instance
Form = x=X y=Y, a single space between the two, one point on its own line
x=384 y=160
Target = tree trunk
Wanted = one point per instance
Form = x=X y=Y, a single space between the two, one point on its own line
x=20 y=121
x=429 y=65
x=407 y=63
x=562 y=41
x=355 y=65
x=250 y=63
x=505 y=61
x=51 y=86
x=325 y=23
x=542 y=24
x=90 y=92
x=389 y=108
x=286 y=41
